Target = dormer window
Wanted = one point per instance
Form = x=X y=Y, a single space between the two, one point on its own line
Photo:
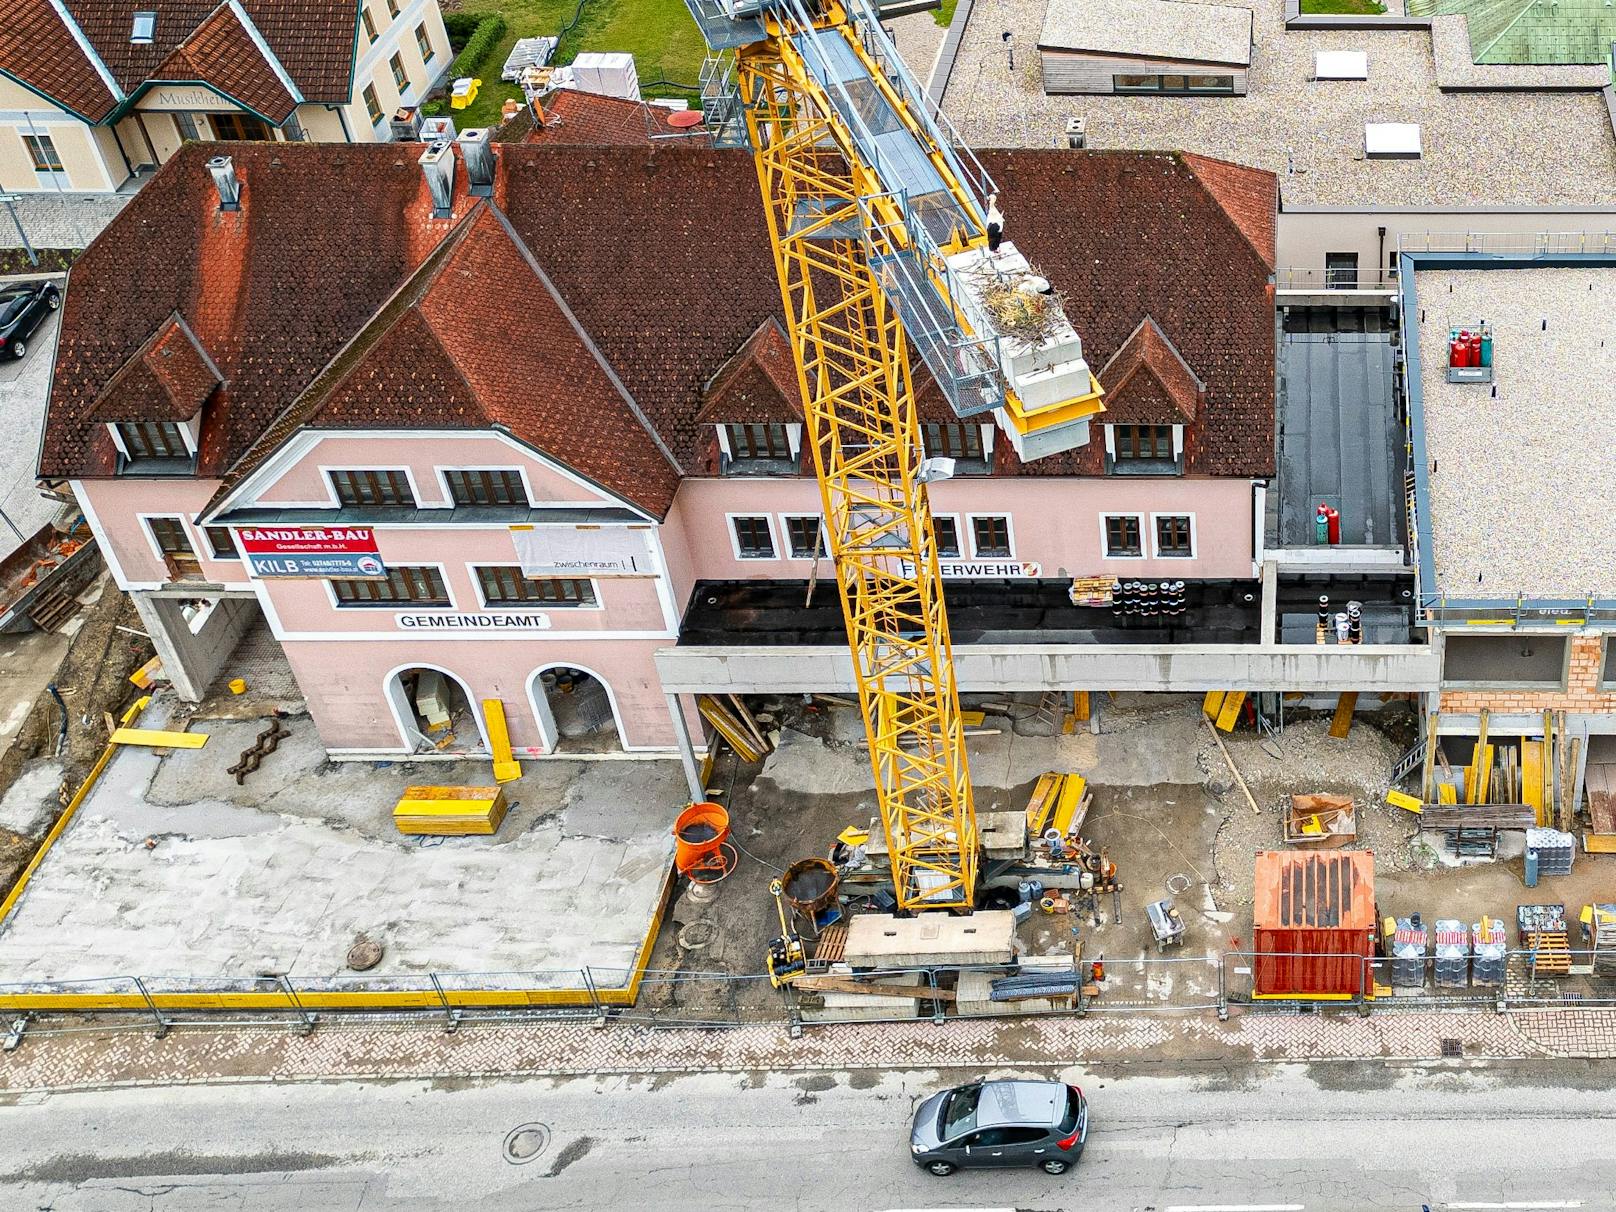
x=153 y=440
x=758 y=449
x=143 y=30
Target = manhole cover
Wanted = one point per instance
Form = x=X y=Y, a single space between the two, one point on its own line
x=697 y=935
x=1452 y=1049
x=364 y=955
x=1177 y=884
x=525 y=1143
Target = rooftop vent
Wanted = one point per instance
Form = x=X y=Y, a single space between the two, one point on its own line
x=1340 y=65
x=479 y=153
x=438 y=166
x=1391 y=140
x=223 y=170
x=1077 y=136
x=144 y=29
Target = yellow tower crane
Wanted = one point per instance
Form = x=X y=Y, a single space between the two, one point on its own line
x=888 y=243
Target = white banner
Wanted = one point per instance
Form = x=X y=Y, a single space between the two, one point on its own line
x=582 y=551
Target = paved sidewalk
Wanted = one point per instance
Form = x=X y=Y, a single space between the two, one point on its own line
x=337 y=1050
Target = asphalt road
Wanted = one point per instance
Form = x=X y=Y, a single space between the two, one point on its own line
x=1279 y=1140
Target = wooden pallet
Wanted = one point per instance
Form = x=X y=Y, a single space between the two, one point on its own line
x=832 y=944
x=1550 y=953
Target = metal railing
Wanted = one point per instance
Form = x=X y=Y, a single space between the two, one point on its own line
x=1311 y=280
x=1541 y=243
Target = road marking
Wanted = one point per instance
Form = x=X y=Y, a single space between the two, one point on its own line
x=1234 y=1208
x=1531 y=1205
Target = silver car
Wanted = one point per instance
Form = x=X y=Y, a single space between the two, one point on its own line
x=1001 y=1123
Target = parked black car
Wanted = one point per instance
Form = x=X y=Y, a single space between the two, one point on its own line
x=23 y=308
x=1001 y=1123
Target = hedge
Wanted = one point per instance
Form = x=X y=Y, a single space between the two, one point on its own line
x=482 y=42
x=460 y=27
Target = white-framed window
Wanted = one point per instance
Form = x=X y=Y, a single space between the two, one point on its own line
x=504 y=585
x=485 y=486
x=803 y=537
x=221 y=543
x=1122 y=536
x=752 y=536
x=171 y=537
x=373 y=105
x=991 y=536
x=378 y=487
x=1173 y=535
x=761 y=448
x=404 y=584
x=945 y=529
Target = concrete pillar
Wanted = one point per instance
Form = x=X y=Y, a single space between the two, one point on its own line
x=192 y=661
x=1270 y=602
x=687 y=751
x=166 y=627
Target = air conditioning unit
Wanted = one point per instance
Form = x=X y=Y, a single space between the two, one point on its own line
x=1077 y=133
x=406 y=124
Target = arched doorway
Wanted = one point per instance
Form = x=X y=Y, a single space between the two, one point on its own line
x=435 y=711
x=576 y=710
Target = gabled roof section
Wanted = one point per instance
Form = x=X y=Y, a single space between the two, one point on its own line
x=315 y=40
x=169 y=378
x=757 y=384
x=41 y=51
x=1147 y=381
x=1249 y=196
x=431 y=360
x=589 y=119
x=222 y=54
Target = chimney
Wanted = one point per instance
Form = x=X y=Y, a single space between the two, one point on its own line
x=438 y=166
x=224 y=177
x=478 y=150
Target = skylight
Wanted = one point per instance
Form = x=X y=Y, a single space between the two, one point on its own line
x=144 y=29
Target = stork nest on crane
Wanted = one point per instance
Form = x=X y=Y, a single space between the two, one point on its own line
x=1026 y=307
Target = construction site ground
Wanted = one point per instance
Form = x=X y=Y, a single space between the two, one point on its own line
x=170 y=871
x=1166 y=810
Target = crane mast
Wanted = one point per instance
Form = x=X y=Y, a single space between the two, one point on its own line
x=887 y=246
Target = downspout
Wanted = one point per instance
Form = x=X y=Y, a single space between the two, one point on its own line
x=347 y=135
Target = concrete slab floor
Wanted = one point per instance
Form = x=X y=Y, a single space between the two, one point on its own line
x=28 y=663
x=170 y=869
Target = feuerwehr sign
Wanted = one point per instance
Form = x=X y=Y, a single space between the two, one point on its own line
x=311 y=551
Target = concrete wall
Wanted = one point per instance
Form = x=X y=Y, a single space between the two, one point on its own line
x=1304 y=236
x=1086 y=72
x=192 y=660
x=349 y=703
x=1054 y=522
x=996 y=667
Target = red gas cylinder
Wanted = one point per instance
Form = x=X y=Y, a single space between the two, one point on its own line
x=1335 y=526
x=1454 y=349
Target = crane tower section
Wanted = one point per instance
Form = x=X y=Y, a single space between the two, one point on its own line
x=888 y=241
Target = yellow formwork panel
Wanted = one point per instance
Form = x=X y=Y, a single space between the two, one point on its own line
x=1229 y=713
x=1532 y=779
x=158 y=739
x=506 y=768
x=1071 y=796
x=1212 y=704
x=1045 y=793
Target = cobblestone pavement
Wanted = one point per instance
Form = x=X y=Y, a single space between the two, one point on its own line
x=66 y=220
x=130 y=1056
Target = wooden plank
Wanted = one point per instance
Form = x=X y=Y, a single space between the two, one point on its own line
x=1532 y=778
x=1212 y=704
x=1229 y=713
x=1599 y=843
x=1600 y=784
x=1400 y=799
x=1071 y=796
x=1044 y=795
x=1428 y=776
x=1233 y=769
x=1341 y=723
x=424 y=792
x=158 y=739
x=1080 y=706
x=1447 y=793
x=506 y=768
x=1484 y=775
x=845 y=984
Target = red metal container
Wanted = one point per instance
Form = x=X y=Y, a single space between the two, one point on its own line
x=1314 y=922
x=1334 y=517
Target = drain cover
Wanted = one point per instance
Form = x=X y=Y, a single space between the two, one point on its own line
x=523 y=1144
x=1452 y=1049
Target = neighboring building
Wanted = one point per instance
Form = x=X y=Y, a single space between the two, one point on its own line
x=1514 y=494
x=1377 y=127
x=93 y=94
x=1145 y=46
x=569 y=413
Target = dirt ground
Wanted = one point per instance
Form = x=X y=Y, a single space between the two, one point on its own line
x=1166 y=810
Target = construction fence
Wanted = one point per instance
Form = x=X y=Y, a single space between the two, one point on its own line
x=1146 y=984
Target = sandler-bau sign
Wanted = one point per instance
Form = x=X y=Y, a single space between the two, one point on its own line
x=311 y=551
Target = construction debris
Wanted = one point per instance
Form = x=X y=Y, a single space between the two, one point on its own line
x=1322 y=822
x=732 y=721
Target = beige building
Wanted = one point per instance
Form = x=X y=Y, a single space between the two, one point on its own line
x=92 y=95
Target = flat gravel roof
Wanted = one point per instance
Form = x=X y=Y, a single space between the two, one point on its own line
x=1523 y=486
x=1156 y=29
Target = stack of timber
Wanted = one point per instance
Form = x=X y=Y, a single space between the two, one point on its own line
x=1059 y=802
x=450 y=811
x=1322 y=822
x=1600 y=780
x=732 y=721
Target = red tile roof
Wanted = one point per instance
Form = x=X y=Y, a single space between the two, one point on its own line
x=222 y=54
x=1147 y=381
x=37 y=49
x=194 y=41
x=656 y=261
x=1250 y=198
x=169 y=378
x=576 y=117
x=757 y=384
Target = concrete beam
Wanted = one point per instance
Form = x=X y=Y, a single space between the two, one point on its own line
x=1328 y=668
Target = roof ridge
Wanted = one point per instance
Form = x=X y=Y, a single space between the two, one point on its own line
x=1216 y=176
x=265 y=49
x=90 y=53
x=588 y=341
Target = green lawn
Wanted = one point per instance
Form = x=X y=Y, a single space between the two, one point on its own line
x=1351 y=8
x=660 y=34
x=943 y=14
